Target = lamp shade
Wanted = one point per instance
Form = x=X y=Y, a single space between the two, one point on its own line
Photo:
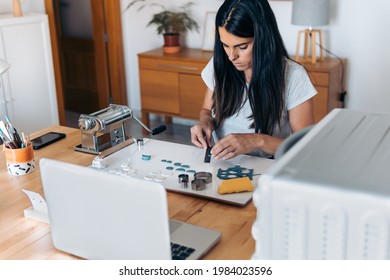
x=4 y=65
x=310 y=12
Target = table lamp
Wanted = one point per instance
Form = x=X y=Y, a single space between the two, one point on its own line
x=310 y=13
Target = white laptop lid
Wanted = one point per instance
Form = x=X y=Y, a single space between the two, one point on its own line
x=97 y=215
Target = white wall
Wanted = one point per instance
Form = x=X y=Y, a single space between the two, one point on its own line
x=358 y=32
x=36 y=6
x=139 y=38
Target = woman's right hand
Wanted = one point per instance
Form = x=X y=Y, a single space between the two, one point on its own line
x=201 y=133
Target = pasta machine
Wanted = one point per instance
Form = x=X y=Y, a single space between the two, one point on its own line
x=105 y=130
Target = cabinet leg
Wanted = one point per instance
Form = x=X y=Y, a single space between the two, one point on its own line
x=167 y=120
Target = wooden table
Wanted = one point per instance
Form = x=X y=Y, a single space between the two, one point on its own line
x=22 y=238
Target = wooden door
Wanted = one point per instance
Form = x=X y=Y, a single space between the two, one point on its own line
x=90 y=66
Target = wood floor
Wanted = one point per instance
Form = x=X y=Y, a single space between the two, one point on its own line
x=177 y=133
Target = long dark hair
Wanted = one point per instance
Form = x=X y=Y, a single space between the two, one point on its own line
x=250 y=18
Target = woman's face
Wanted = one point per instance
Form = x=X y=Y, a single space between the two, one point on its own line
x=238 y=49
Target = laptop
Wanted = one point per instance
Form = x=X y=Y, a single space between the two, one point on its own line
x=96 y=215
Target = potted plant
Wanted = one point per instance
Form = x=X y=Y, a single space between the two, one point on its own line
x=170 y=23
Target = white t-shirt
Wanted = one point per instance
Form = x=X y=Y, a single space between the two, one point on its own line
x=298 y=90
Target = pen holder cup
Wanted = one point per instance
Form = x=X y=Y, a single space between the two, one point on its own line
x=19 y=161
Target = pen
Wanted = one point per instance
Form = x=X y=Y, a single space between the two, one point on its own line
x=2 y=136
x=7 y=141
x=4 y=129
x=24 y=140
x=14 y=133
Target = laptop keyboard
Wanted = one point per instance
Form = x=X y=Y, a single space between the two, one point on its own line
x=180 y=252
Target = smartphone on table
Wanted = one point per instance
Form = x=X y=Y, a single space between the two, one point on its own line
x=47 y=139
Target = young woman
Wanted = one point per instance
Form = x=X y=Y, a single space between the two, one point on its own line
x=256 y=95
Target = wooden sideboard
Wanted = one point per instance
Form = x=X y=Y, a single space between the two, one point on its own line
x=326 y=77
x=171 y=84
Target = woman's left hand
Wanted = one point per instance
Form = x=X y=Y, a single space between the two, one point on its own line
x=243 y=143
x=235 y=144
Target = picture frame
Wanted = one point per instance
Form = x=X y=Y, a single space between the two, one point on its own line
x=209 y=31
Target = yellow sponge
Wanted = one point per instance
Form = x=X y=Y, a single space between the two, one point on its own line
x=235 y=185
